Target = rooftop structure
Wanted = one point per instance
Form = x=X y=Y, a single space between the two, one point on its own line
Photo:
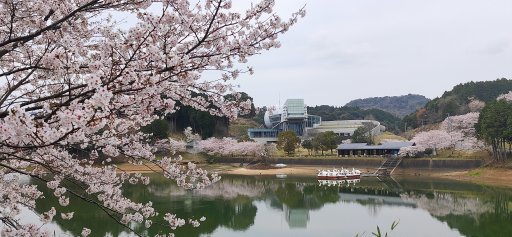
x=346 y=128
x=363 y=149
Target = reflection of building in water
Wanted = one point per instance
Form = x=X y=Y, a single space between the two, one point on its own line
x=296 y=217
x=341 y=182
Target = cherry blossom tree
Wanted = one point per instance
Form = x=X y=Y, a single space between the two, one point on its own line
x=231 y=147
x=462 y=130
x=435 y=139
x=190 y=136
x=506 y=97
x=455 y=132
x=170 y=146
x=475 y=105
x=74 y=79
x=410 y=151
x=463 y=123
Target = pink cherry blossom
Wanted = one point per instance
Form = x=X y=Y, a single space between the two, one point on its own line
x=76 y=81
x=455 y=132
x=475 y=105
x=230 y=147
x=507 y=97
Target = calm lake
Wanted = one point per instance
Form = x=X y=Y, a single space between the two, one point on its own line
x=301 y=206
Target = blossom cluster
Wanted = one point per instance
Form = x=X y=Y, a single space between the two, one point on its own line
x=231 y=147
x=455 y=132
x=506 y=97
x=475 y=105
x=77 y=86
x=170 y=145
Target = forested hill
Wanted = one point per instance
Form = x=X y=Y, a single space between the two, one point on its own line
x=330 y=113
x=457 y=101
x=397 y=105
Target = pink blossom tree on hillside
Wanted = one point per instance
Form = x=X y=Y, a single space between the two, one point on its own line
x=456 y=132
x=434 y=139
x=73 y=79
x=463 y=123
x=463 y=132
x=475 y=105
x=507 y=97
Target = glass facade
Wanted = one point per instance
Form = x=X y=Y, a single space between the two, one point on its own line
x=312 y=120
x=262 y=132
x=294 y=117
x=295 y=108
x=296 y=126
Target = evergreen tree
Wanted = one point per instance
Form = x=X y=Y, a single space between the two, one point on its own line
x=495 y=127
x=361 y=135
x=288 y=141
x=308 y=145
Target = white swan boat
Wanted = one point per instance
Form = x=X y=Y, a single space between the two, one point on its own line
x=339 y=174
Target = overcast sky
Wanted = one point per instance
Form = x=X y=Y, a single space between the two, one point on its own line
x=349 y=49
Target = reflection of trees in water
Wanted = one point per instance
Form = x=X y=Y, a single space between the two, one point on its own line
x=442 y=204
x=227 y=189
x=236 y=213
x=502 y=205
x=484 y=213
x=297 y=195
x=495 y=223
x=373 y=198
x=374 y=209
x=297 y=199
x=230 y=204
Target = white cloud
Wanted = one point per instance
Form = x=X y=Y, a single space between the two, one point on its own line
x=344 y=50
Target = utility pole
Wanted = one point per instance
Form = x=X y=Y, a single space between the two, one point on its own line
x=449 y=120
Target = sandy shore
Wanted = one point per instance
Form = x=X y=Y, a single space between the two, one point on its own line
x=131 y=168
x=488 y=176
x=295 y=170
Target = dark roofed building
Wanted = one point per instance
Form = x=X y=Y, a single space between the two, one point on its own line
x=363 y=149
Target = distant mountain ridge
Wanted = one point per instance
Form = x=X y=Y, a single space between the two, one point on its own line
x=457 y=100
x=397 y=105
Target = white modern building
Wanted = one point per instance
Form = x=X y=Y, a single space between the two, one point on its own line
x=294 y=117
x=346 y=128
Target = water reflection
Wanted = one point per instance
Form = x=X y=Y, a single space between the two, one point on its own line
x=257 y=206
x=339 y=183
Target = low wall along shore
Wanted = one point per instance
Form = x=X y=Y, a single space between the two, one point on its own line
x=412 y=163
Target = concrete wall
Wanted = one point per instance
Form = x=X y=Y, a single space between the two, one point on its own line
x=424 y=163
x=441 y=163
